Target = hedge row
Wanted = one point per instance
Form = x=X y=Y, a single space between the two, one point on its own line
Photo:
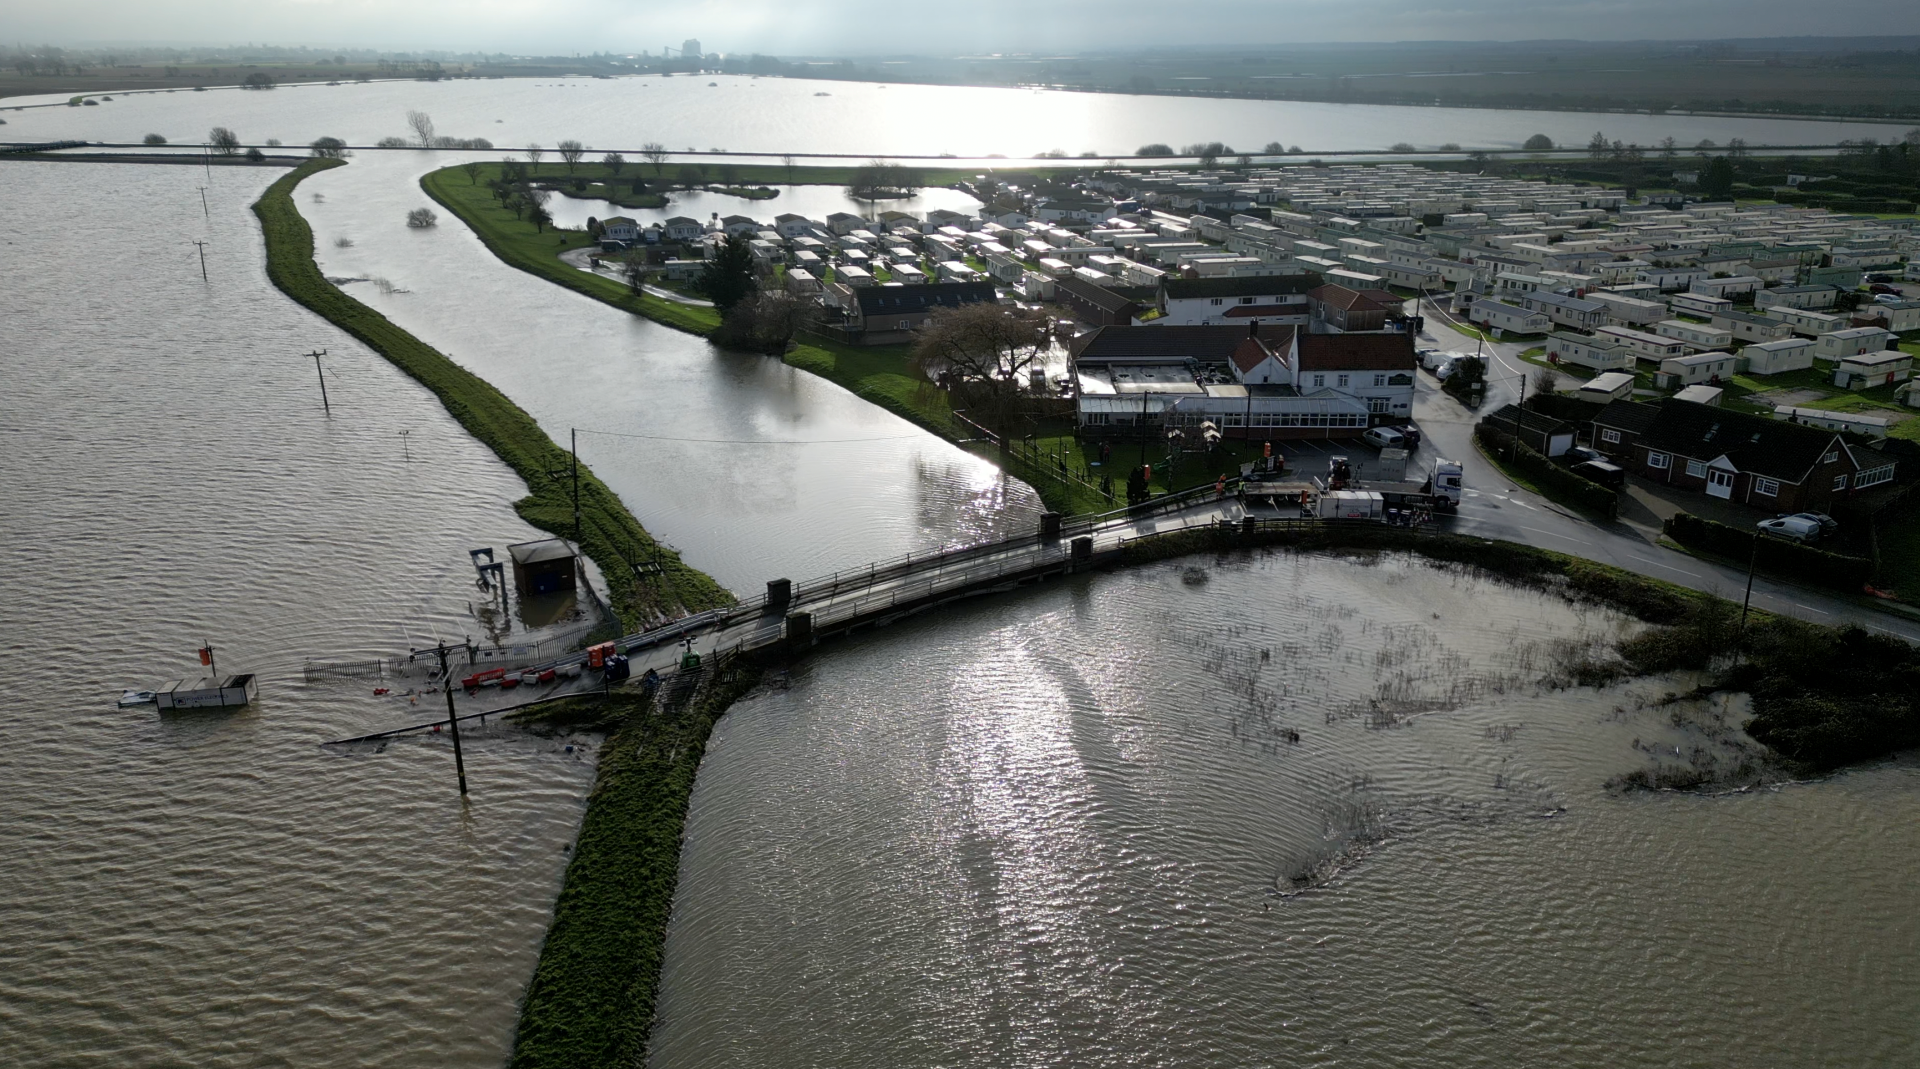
x=1775 y=555
x=1555 y=481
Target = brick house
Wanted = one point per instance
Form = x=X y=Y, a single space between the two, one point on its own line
x=1769 y=464
x=1618 y=427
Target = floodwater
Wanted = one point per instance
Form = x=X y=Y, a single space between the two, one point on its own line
x=1053 y=829
x=752 y=469
x=853 y=119
x=215 y=888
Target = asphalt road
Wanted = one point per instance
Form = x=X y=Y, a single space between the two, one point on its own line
x=1495 y=507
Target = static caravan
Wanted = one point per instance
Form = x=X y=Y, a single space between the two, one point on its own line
x=1612 y=386
x=1699 y=368
x=1854 y=341
x=1774 y=357
x=1698 y=336
x=1599 y=354
x=1645 y=346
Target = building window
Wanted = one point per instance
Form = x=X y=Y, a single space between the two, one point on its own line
x=1099 y=419
x=1218 y=300
x=1342 y=381
x=1657 y=460
x=1766 y=487
x=1379 y=404
x=1319 y=380
x=1839 y=482
x=1610 y=437
x=1831 y=458
x=1380 y=380
x=1873 y=477
x=1246 y=300
x=1696 y=469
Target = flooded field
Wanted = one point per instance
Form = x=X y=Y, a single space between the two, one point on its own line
x=1284 y=811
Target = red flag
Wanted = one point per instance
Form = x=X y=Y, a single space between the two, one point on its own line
x=206 y=655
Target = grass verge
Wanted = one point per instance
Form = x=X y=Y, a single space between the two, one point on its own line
x=609 y=534
x=591 y=1001
x=880 y=374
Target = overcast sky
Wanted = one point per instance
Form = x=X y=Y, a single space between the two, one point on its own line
x=833 y=27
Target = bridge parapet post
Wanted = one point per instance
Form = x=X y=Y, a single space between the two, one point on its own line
x=779 y=594
x=1050 y=526
x=799 y=631
x=1082 y=550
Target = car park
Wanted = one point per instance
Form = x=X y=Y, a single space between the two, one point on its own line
x=1791 y=528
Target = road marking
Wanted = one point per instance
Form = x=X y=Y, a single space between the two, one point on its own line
x=1552 y=534
x=1663 y=564
x=1809 y=608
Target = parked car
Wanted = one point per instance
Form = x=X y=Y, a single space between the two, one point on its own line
x=1791 y=528
x=1431 y=359
x=1889 y=298
x=1827 y=523
x=1881 y=287
x=1879 y=276
x=1606 y=473
x=1386 y=438
x=1414 y=437
x=1580 y=454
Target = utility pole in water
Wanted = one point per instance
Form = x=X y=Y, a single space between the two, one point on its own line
x=203 y=260
x=453 y=722
x=203 y=203
x=317 y=370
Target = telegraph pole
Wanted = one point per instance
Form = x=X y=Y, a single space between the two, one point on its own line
x=1752 y=559
x=203 y=260
x=453 y=722
x=203 y=203
x=324 y=403
x=574 y=436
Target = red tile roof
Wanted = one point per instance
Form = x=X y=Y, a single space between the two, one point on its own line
x=1345 y=299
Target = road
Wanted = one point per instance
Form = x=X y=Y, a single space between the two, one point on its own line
x=1495 y=507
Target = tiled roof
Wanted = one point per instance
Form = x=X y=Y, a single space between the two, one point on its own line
x=1345 y=299
x=1100 y=297
x=1254 y=286
x=1356 y=352
x=1755 y=444
x=892 y=300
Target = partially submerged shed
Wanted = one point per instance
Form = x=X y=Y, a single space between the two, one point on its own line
x=548 y=566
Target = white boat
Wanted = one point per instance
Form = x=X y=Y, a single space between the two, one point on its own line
x=130 y=698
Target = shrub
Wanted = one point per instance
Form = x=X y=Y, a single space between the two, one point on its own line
x=153 y=139
x=421 y=218
x=1775 y=555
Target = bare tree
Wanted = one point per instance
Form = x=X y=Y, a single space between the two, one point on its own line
x=656 y=154
x=534 y=152
x=223 y=140
x=634 y=270
x=981 y=351
x=766 y=321
x=472 y=167
x=1669 y=148
x=1737 y=147
x=1544 y=381
x=613 y=162
x=328 y=148
x=570 y=153
x=787 y=161
x=422 y=126
x=421 y=218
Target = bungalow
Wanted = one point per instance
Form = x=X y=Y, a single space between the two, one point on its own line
x=1503 y=316
x=1797 y=297
x=885 y=315
x=1566 y=311
x=1669 y=279
x=1625 y=311
x=1751 y=328
x=1619 y=425
x=940 y=217
x=1612 y=386
x=738 y=224
x=1774 y=357
x=1712 y=368
x=1260 y=299
x=1698 y=336
x=1098 y=306
x=1733 y=286
x=843 y=223
x=620 y=231
x=1853 y=341
x=1804 y=321
x=1773 y=465
x=681 y=228
x=1645 y=346
x=1897 y=316
x=1699 y=304
x=1597 y=353
x=1868 y=370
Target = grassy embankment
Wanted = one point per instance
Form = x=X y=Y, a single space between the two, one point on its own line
x=880 y=374
x=609 y=533
x=590 y=1003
